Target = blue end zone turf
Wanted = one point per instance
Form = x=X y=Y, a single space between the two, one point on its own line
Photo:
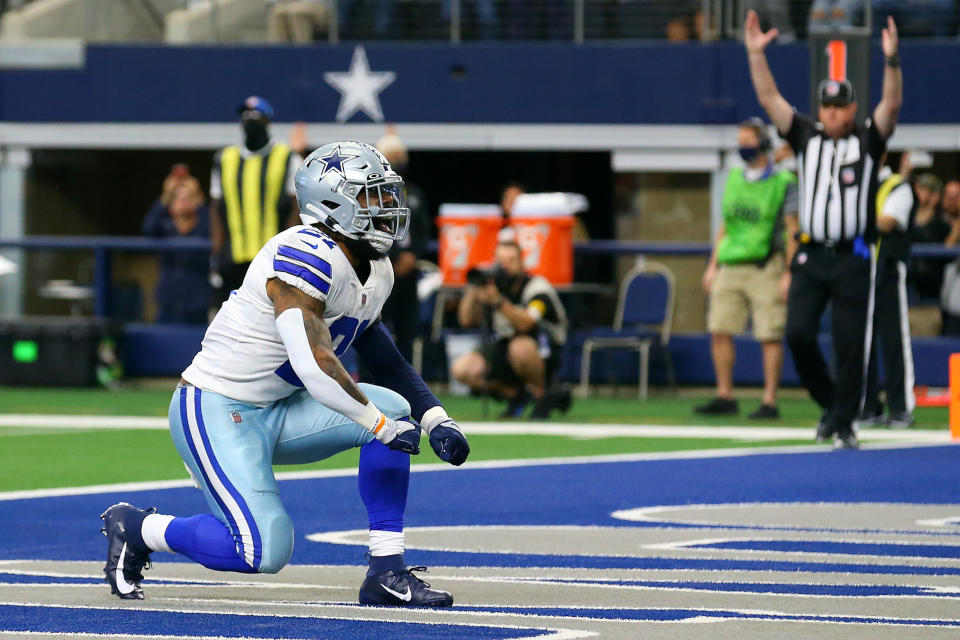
x=790 y=588
x=67 y=528
x=144 y=622
x=687 y=614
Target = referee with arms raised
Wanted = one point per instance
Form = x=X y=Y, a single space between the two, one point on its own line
x=837 y=162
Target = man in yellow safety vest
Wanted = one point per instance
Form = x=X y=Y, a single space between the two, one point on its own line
x=251 y=194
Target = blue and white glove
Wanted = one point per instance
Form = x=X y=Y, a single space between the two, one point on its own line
x=449 y=443
x=446 y=437
x=401 y=435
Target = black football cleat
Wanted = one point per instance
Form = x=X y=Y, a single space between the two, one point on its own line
x=127 y=557
x=825 y=430
x=870 y=417
x=559 y=399
x=846 y=439
x=516 y=406
x=402 y=589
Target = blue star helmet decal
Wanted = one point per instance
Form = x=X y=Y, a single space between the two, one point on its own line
x=334 y=162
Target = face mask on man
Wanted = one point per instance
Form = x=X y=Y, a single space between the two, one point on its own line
x=749 y=154
x=255 y=134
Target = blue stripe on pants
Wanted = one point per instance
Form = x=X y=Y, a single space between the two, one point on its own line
x=255 y=554
x=185 y=422
x=244 y=509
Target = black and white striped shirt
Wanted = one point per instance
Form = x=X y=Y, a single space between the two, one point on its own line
x=837 y=180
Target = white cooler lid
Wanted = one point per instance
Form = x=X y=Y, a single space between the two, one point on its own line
x=548 y=204
x=465 y=210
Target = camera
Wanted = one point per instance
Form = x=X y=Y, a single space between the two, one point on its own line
x=495 y=275
x=481 y=277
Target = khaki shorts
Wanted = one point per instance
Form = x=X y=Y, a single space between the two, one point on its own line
x=741 y=288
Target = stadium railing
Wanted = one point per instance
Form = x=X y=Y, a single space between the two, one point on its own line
x=456 y=21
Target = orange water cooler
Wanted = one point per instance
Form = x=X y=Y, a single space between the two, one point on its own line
x=543 y=227
x=468 y=237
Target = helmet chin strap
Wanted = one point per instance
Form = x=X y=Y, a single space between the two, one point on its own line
x=381 y=243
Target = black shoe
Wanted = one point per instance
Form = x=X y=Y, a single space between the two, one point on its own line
x=846 y=439
x=871 y=417
x=402 y=589
x=516 y=406
x=127 y=556
x=765 y=412
x=718 y=407
x=559 y=399
x=900 y=421
x=825 y=430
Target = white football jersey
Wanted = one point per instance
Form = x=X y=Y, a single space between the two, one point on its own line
x=243 y=357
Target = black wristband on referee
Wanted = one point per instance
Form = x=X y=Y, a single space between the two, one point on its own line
x=893 y=61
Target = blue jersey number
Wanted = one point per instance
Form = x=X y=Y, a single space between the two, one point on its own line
x=322 y=237
x=342 y=332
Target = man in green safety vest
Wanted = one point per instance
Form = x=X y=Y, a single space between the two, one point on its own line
x=252 y=195
x=746 y=274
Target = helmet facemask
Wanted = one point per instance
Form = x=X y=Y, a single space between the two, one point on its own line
x=382 y=217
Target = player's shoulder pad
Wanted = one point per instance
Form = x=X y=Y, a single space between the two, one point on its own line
x=305 y=258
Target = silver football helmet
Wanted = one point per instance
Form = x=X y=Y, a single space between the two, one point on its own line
x=351 y=188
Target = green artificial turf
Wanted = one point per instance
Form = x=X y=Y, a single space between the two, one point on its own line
x=626 y=409
x=55 y=457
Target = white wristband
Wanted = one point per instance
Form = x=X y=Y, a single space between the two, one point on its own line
x=432 y=417
x=369 y=418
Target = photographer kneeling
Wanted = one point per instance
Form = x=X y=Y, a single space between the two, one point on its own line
x=529 y=329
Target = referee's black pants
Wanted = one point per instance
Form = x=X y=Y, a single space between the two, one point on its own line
x=892 y=336
x=839 y=276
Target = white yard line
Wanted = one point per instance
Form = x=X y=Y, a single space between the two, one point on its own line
x=52 y=421
x=570 y=430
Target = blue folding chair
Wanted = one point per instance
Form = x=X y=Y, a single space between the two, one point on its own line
x=642 y=321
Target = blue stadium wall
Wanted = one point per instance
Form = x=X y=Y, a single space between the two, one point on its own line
x=653 y=83
x=645 y=83
x=158 y=350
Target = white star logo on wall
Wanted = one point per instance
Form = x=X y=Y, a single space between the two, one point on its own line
x=359 y=87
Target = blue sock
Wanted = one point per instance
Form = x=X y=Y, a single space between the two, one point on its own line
x=206 y=540
x=383 y=479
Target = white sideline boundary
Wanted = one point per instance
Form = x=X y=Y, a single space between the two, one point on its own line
x=562 y=429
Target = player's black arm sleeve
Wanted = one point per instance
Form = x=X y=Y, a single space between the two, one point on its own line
x=389 y=369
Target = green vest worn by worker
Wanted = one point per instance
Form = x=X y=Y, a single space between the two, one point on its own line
x=252 y=188
x=750 y=214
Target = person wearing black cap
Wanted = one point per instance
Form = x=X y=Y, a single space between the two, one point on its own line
x=251 y=195
x=837 y=162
